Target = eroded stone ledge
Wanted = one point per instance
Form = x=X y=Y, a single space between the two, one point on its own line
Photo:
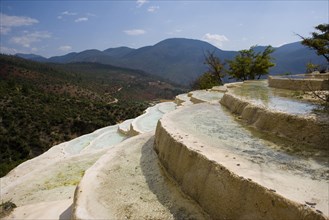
x=302 y=129
x=306 y=84
x=219 y=191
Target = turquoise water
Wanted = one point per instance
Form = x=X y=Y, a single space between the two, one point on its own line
x=148 y=121
x=107 y=139
x=276 y=99
x=101 y=138
x=207 y=96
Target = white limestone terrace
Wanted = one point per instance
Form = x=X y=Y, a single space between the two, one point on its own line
x=307 y=82
x=124 y=127
x=54 y=155
x=198 y=96
x=147 y=121
x=183 y=99
x=258 y=92
x=96 y=140
x=128 y=183
x=280 y=112
x=103 y=140
x=204 y=130
x=207 y=164
x=50 y=179
x=210 y=96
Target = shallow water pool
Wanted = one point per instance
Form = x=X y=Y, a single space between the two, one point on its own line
x=215 y=125
x=276 y=99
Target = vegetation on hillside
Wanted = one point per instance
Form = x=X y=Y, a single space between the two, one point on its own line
x=42 y=105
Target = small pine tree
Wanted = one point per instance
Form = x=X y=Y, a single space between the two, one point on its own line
x=319 y=41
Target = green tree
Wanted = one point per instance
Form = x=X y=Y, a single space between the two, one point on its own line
x=249 y=65
x=205 y=81
x=311 y=67
x=213 y=76
x=319 y=40
x=215 y=67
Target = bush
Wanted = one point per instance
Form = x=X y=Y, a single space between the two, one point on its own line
x=6 y=208
x=205 y=81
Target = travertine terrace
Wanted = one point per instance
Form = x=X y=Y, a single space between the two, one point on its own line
x=239 y=151
x=306 y=82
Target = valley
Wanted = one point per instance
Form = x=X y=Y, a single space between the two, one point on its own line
x=43 y=105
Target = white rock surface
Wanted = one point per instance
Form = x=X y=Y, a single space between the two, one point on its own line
x=193 y=148
x=128 y=183
x=44 y=211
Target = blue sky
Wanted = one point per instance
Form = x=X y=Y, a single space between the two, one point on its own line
x=50 y=28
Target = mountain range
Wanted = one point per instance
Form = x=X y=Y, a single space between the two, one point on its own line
x=181 y=60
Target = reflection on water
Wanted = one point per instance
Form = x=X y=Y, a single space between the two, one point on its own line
x=102 y=138
x=147 y=122
x=304 y=76
x=276 y=99
x=207 y=96
x=215 y=125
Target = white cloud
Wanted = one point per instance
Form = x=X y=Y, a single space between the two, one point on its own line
x=65 y=48
x=91 y=14
x=34 y=49
x=66 y=13
x=69 y=13
x=7 y=50
x=135 y=32
x=4 y=30
x=140 y=3
x=215 y=39
x=28 y=38
x=177 y=31
x=81 y=19
x=7 y=22
x=16 y=21
x=279 y=45
x=153 y=8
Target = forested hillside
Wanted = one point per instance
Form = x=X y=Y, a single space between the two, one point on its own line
x=42 y=105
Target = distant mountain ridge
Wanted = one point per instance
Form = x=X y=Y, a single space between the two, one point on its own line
x=181 y=60
x=33 y=57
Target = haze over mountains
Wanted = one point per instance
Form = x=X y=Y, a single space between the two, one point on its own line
x=181 y=60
